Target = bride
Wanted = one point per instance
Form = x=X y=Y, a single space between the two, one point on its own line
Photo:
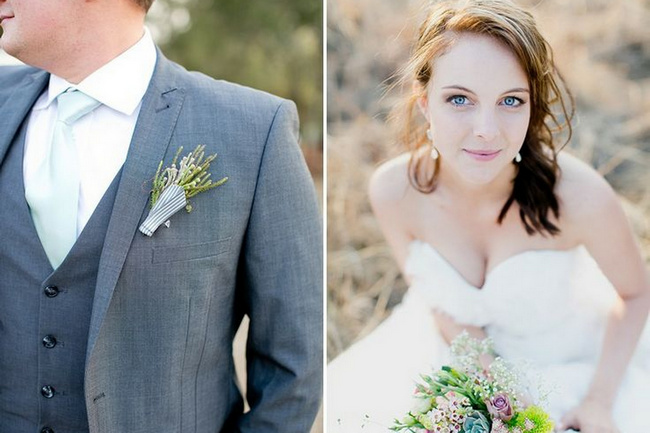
x=500 y=235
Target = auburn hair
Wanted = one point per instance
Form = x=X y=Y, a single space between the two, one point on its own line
x=515 y=28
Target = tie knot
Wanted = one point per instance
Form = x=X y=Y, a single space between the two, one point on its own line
x=73 y=105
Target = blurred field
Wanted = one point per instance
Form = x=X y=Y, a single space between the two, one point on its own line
x=601 y=46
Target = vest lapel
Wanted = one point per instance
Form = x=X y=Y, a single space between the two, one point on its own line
x=16 y=109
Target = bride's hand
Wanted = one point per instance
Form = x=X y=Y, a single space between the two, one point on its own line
x=589 y=417
x=450 y=329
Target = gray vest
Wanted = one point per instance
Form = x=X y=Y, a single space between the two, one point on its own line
x=44 y=314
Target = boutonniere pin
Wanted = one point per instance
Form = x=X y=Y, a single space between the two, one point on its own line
x=173 y=187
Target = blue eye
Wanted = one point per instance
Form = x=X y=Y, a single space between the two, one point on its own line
x=458 y=100
x=511 y=101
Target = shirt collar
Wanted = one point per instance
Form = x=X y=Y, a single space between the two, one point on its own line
x=120 y=84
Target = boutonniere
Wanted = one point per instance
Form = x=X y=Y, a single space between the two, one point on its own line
x=174 y=186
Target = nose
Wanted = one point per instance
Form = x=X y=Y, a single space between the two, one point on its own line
x=486 y=125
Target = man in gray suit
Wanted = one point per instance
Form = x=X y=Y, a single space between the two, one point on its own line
x=104 y=329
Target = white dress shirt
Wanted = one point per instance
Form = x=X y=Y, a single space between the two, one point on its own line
x=102 y=137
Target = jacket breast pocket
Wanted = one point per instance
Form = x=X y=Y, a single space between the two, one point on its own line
x=190 y=252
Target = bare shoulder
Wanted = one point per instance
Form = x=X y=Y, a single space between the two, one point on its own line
x=585 y=196
x=594 y=217
x=389 y=184
x=391 y=196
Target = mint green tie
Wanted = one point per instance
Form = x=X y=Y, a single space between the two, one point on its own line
x=53 y=192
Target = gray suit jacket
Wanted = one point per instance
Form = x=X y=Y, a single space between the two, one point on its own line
x=166 y=307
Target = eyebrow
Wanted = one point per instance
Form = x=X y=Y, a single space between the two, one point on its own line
x=465 y=89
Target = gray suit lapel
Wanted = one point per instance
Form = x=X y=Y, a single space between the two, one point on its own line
x=153 y=131
x=16 y=108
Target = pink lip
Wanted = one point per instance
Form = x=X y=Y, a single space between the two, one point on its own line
x=482 y=155
x=5 y=17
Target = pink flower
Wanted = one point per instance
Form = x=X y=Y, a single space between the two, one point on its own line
x=499 y=407
x=499 y=427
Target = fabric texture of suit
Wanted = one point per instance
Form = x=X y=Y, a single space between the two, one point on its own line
x=165 y=309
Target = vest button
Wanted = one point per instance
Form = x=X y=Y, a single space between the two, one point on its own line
x=47 y=391
x=51 y=291
x=47 y=430
x=49 y=341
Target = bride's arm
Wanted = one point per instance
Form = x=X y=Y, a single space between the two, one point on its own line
x=612 y=245
x=394 y=203
x=390 y=197
x=597 y=219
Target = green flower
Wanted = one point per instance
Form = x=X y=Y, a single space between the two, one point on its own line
x=533 y=419
x=425 y=421
x=408 y=424
x=476 y=423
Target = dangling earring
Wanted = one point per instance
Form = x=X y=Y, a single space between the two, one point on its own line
x=434 y=151
x=518 y=158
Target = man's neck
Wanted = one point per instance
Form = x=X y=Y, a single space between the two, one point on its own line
x=93 y=54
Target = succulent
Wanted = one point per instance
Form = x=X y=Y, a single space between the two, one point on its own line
x=476 y=423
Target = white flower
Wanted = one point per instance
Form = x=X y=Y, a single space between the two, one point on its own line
x=421 y=405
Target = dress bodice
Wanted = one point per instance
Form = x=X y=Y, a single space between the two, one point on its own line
x=548 y=305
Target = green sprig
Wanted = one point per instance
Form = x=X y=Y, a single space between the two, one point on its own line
x=191 y=174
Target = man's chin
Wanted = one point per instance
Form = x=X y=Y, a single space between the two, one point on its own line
x=10 y=49
x=5 y=45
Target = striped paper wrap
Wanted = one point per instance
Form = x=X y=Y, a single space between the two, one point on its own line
x=171 y=200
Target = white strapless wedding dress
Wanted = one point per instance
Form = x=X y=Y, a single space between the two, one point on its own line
x=546 y=308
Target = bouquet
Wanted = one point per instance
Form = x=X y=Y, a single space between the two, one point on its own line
x=468 y=398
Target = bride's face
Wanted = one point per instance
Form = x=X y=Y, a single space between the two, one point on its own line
x=478 y=106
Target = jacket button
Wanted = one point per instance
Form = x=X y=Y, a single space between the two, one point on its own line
x=49 y=341
x=47 y=391
x=47 y=430
x=51 y=291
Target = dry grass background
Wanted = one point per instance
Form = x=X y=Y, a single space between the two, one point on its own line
x=602 y=48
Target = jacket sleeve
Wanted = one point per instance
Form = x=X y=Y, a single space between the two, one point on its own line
x=282 y=283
